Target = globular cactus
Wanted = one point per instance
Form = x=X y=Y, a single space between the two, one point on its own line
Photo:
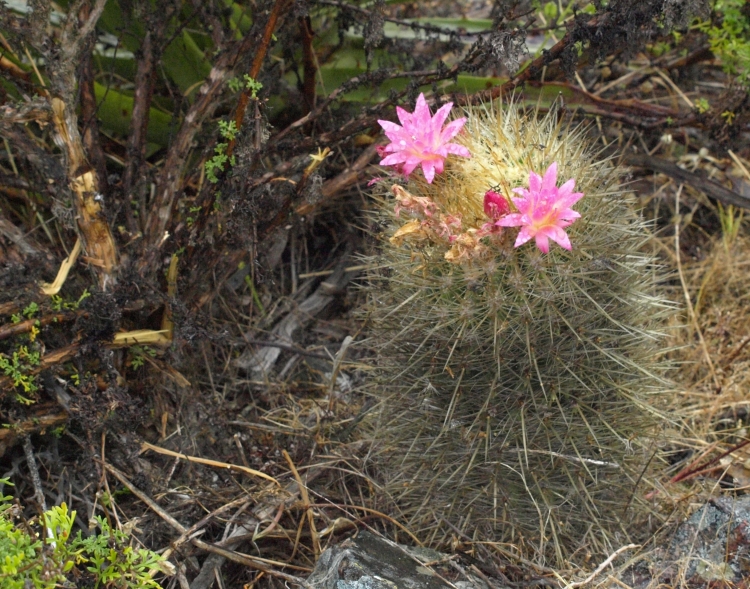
x=517 y=386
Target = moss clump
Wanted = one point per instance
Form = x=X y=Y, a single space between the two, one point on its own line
x=517 y=387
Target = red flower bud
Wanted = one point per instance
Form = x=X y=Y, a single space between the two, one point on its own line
x=495 y=205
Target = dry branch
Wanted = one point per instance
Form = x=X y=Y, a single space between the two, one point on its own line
x=99 y=243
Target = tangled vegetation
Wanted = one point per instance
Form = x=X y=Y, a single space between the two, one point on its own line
x=184 y=213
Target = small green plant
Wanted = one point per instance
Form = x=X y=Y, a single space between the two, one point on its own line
x=138 y=355
x=228 y=131
x=28 y=312
x=19 y=368
x=59 y=304
x=121 y=566
x=235 y=85
x=729 y=37
x=728 y=116
x=702 y=105
x=731 y=221
x=42 y=553
x=253 y=85
x=190 y=219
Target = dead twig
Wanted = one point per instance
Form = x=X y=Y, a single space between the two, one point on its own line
x=601 y=567
x=250 y=471
x=307 y=506
x=709 y=187
x=12 y=329
x=89 y=106
x=208 y=547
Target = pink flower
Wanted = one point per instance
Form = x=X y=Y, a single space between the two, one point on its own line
x=544 y=210
x=421 y=139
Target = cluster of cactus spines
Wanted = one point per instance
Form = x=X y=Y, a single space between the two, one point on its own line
x=516 y=385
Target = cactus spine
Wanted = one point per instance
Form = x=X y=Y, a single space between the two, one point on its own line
x=517 y=387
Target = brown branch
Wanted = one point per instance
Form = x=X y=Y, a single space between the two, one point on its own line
x=170 y=181
x=310 y=70
x=351 y=175
x=136 y=148
x=205 y=103
x=44 y=417
x=208 y=547
x=25 y=326
x=78 y=37
x=93 y=226
x=709 y=187
x=14 y=234
x=62 y=57
x=24 y=112
x=260 y=56
x=710 y=464
x=89 y=107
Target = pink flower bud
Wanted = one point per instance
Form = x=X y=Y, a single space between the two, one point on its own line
x=495 y=205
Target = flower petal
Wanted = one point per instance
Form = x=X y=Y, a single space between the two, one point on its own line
x=512 y=220
x=404 y=116
x=566 y=189
x=550 y=179
x=457 y=149
x=390 y=126
x=395 y=158
x=542 y=242
x=452 y=129
x=535 y=182
x=439 y=118
x=421 y=115
x=570 y=200
x=428 y=167
x=523 y=236
x=569 y=215
x=409 y=166
x=557 y=235
x=438 y=163
x=523 y=203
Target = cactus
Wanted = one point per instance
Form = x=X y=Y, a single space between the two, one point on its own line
x=518 y=387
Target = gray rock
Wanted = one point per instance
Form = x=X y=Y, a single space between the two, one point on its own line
x=370 y=562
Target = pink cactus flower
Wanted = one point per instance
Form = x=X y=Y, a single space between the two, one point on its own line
x=544 y=210
x=422 y=139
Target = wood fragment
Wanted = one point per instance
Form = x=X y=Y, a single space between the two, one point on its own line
x=98 y=241
x=710 y=188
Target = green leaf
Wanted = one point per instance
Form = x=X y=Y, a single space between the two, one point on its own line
x=185 y=63
x=115 y=112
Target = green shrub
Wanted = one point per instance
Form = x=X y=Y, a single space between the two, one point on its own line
x=729 y=37
x=42 y=554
